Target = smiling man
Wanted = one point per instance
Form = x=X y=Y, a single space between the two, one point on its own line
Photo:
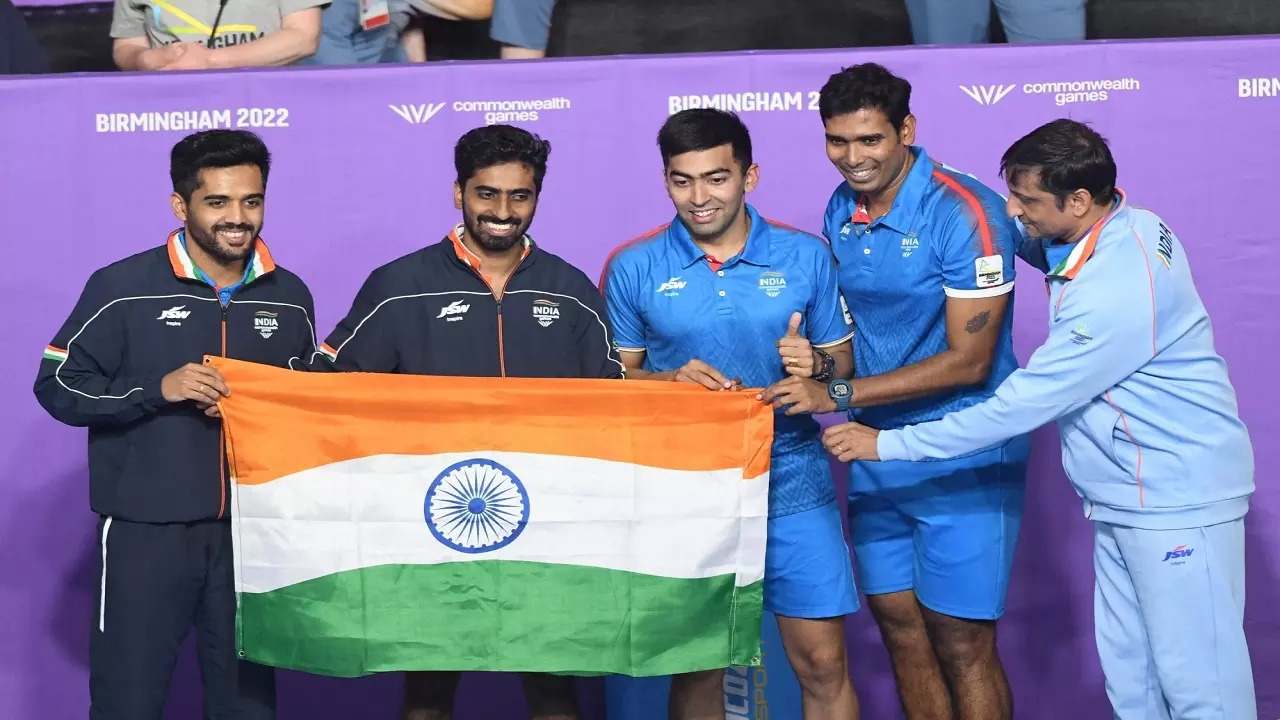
x=725 y=299
x=1151 y=433
x=127 y=365
x=925 y=261
x=486 y=301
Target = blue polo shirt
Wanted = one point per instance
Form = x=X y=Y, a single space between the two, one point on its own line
x=666 y=299
x=947 y=235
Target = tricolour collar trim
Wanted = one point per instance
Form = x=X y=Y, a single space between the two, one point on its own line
x=1083 y=250
x=470 y=258
x=260 y=263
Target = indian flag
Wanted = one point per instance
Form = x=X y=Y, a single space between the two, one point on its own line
x=392 y=522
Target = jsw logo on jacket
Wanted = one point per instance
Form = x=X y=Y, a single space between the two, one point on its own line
x=137 y=320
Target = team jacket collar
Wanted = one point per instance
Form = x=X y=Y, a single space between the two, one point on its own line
x=260 y=263
x=1070 y=266
x=907 y=202
x=755 y=252
x=474 y=261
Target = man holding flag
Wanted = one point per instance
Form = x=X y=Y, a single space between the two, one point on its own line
x=127 y=365
x=485 y=301
x=704 y=300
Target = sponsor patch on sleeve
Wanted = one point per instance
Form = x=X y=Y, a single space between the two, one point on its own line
x=989 y=271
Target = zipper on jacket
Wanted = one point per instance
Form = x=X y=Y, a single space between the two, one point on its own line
x=222 y=448
x=497 y=297
x=502 y=360
x=502 y=355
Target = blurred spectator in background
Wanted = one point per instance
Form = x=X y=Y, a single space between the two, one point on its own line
x=522 y=27
x=204 y=34
x=387 y=31
x=966 y=22
x=20 y=52
x=414 y=40
x=362 y=32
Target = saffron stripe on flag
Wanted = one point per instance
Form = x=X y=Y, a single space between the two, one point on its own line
x=656 y=424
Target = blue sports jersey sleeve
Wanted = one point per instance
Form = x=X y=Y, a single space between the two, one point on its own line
x=621 y=303
x=1096 y=341
x=827 y=319
x=836 y=213
x=977 y=250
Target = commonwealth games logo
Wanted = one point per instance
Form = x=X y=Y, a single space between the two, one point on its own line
x=476 y=506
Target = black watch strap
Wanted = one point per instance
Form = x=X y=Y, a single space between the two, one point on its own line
x=828 y=368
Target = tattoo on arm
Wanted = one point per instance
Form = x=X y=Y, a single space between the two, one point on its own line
x=977 y=322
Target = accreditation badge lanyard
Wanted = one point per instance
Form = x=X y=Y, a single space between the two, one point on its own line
x=374 y=13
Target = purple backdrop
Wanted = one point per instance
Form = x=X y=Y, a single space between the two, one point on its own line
x=363 y=174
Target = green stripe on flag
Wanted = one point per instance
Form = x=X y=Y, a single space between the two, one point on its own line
x=495 y=615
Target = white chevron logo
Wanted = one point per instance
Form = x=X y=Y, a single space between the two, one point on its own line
x=987 y=94
x=417 y=114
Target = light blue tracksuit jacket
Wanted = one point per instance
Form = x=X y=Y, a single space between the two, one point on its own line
x=1151 y=436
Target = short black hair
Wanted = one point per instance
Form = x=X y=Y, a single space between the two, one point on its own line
x=868 y=86
x=1070 y=156
x=214 y=149
x=698 y=129
x=490 y=145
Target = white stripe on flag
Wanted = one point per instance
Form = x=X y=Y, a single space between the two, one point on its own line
x=582 y=511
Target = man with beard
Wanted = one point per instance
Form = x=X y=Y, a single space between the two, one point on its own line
x=725 y=299
x=485 y=301
x=127 y=365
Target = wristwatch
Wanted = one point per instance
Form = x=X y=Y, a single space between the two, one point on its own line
x=841 y=393
x=828 y=368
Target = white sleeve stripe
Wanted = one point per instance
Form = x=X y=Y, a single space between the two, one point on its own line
x=57 y=371
x=608 y=345
x=632 y=350
x=980 y=292
x=841 y=341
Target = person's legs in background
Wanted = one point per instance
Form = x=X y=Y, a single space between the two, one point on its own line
x=522 y=27
x=550 y=697
x=1042 y=21
x=429 y=695
x=950 y=22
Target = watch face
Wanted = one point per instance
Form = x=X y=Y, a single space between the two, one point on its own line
x=840 y=389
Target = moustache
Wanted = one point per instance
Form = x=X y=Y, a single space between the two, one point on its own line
x=233 y=227
x=498 y=221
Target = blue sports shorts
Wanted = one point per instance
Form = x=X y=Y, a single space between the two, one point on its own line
x=945 y=529
x=808 y=572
